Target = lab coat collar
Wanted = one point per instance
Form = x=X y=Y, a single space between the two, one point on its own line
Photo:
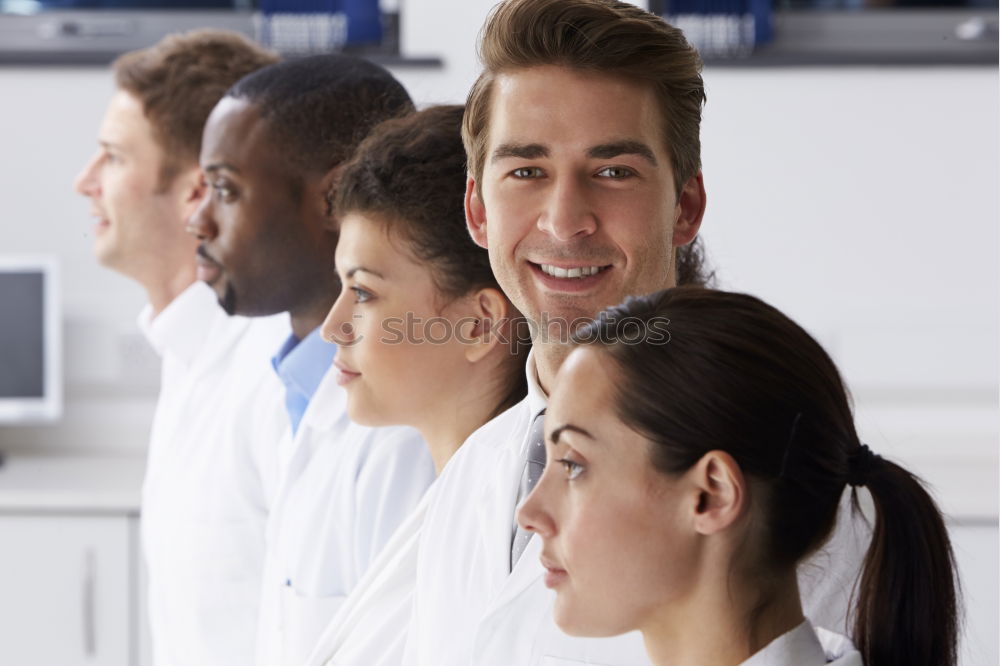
x=497 y=494
x=184 y=328
x=527 y=570
x=802 y=646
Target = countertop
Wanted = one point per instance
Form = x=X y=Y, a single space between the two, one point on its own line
x=58 y=484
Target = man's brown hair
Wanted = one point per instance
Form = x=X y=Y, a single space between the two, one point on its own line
x=605 y=37
x=180 y=79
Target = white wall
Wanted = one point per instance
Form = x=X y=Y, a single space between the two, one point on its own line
x=48 y=127
x=861 y=201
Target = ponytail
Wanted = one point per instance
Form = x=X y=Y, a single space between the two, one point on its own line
x=907 y=611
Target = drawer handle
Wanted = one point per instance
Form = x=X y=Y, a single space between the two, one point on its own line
x=89 y=585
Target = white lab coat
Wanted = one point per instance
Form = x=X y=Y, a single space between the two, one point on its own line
x=806 y=645
x=210 y=478
x=466 y=607
x=344 y=492
x=370 y=627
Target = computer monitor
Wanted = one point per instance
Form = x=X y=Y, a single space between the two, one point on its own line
x=30 y=340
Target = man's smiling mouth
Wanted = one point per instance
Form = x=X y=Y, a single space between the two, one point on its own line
x=575 y=272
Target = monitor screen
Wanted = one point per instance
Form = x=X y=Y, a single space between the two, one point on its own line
x=30 y=369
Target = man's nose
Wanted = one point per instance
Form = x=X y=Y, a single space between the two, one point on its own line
x=567 y=212
x=87 y=183
x=201 y=224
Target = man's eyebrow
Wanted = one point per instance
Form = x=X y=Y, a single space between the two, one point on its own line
x=554 y=437
x=606 y=151
x=362 y=269
x=524 y=151
x=220 y=166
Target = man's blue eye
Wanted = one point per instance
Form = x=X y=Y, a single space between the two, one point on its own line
x=527 y=172
x=615 y=172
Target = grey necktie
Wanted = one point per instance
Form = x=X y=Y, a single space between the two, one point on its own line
x=534 y=465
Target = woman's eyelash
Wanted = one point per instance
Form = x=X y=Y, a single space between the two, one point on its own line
x=361 y=295
x=573 y=468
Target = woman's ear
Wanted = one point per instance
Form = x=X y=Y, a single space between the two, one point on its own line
x=484 y=330
x=722 y=492
x=327 y=194
x=475 y=213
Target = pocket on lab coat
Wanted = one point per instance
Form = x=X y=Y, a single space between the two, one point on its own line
x=305 y=619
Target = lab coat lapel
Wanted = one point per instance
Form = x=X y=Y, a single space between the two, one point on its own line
x=495 y=511
x=527 y=571
x=496 y=522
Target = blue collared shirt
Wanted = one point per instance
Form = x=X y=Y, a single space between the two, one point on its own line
x=301 y=366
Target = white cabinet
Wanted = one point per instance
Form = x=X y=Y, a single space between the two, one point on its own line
x=69 y=562
x=68 y=590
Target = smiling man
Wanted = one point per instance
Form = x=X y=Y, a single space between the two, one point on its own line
x=585 y=186
x=211 y=466
x=272 y=153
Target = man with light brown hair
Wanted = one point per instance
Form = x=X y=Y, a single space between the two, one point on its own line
x=211 y=467
x=585 y=185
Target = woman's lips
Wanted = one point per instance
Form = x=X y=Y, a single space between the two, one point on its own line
x=554 y=576
x=345 y=375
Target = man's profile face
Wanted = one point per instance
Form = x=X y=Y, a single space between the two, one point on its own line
x=263 y=248
x=578 y=193
x=136 y=216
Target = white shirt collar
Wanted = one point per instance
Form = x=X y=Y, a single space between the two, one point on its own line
x=181 y=329
x=537 y=398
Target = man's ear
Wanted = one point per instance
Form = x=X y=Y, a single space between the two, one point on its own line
x=690 y=210
x=481 y=332
x=475 y=213
x=192 y=189
x=722 y=492
x=327 y=195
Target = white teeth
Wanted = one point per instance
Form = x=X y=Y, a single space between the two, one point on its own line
x=580 y=272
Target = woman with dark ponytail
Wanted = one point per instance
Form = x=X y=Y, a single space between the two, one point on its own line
x=698 y=444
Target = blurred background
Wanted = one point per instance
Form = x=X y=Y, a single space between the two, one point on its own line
x=850 y=153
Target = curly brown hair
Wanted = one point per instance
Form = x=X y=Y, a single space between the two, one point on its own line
x=409 y=176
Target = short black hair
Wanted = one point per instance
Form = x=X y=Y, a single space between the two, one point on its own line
x=321 y=107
